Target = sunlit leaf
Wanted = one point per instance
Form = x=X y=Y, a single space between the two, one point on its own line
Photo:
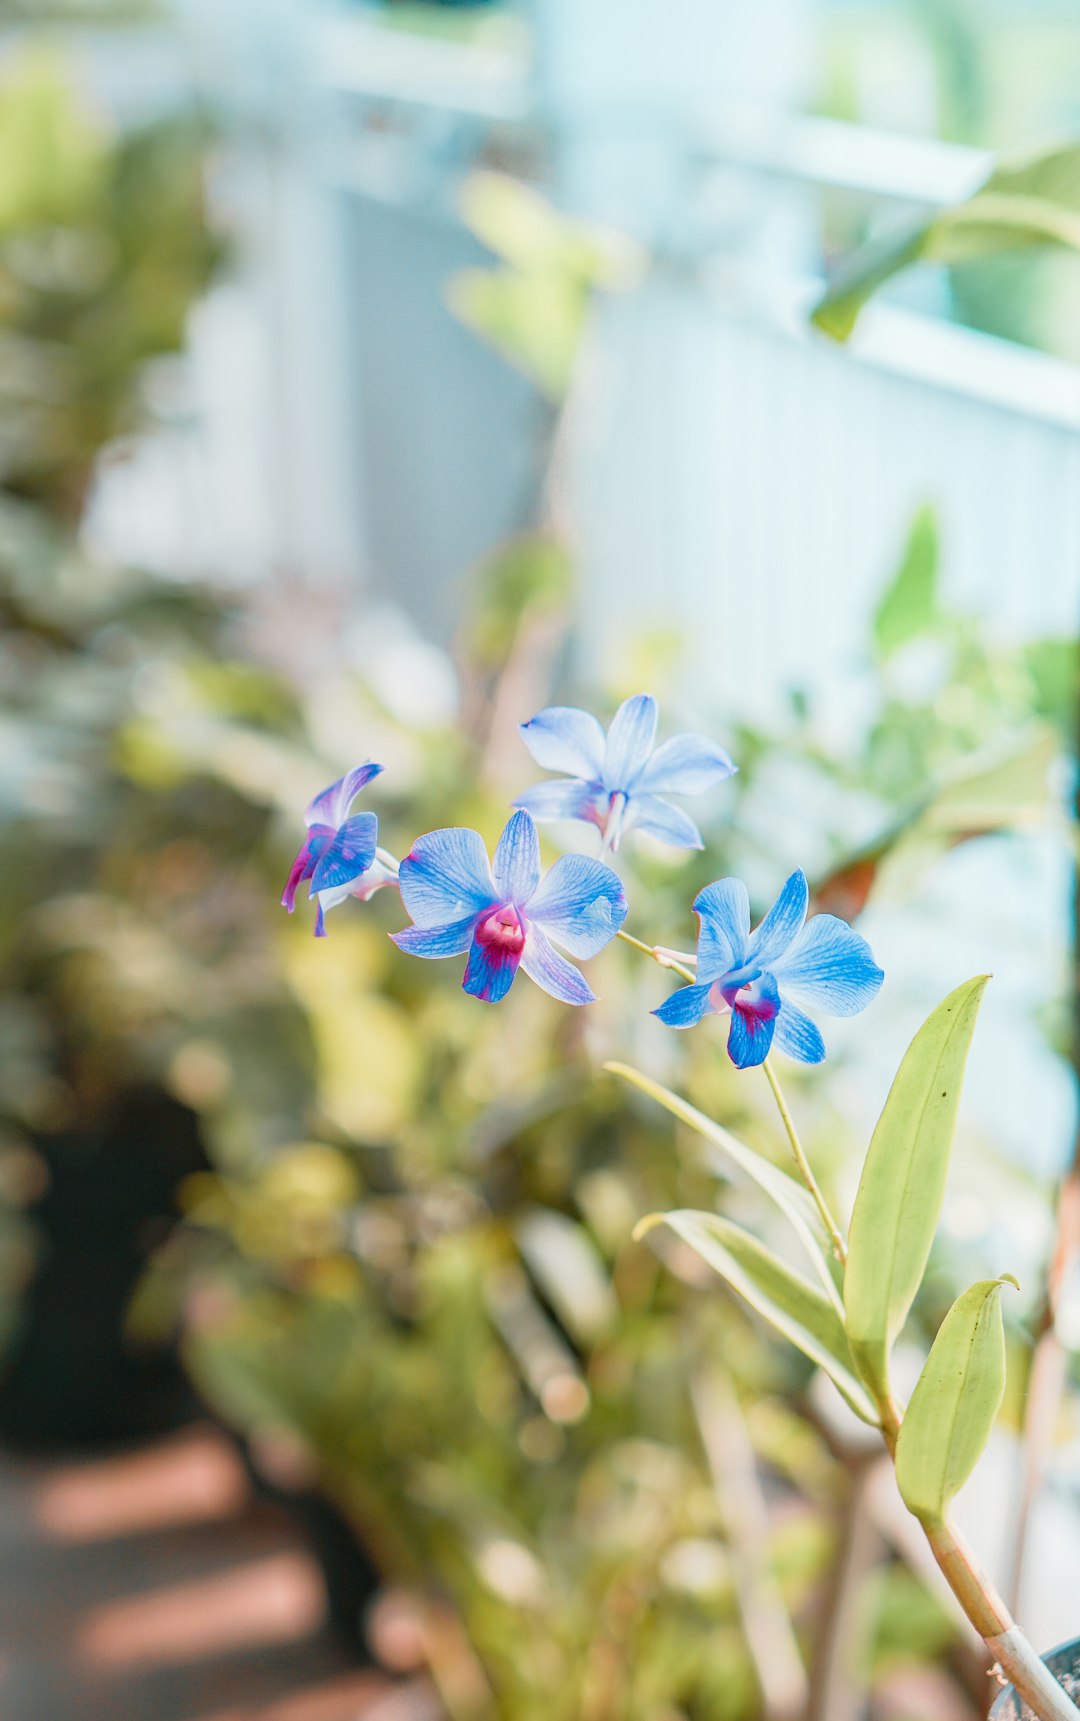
x=909 y=606
x=998 y=793
x=794 y=1306
x=1035 y=203
x=532 y=310
x=528 y=232
x=1054 y=667
x=903 y=1183
x=955 y=1402
x=51 y=147
x=792 y=1199
x=534 y=321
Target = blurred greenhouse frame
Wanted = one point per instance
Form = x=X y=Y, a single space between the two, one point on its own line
x=498 y=378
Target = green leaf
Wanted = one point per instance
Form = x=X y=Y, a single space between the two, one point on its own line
x=526 y=231
x=955 y=1402
x=533 y=309
x=792 y=1199
x=1054 y=668
x=903 y=1183
x=535 y=321
x=910 y=605
x=52 y=147
x=791 y=1303
x=859 y=276
x=1035 y=203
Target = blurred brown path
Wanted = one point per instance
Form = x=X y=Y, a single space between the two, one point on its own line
x=153 y=1586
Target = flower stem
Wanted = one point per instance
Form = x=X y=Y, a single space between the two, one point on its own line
x=991 y=1618
x=663 y=957
x=835 y=1234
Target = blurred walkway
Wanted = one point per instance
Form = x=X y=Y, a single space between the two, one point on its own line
x=153 y=1586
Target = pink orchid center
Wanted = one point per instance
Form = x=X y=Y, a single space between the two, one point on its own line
x=501 y=930
x=748 y=995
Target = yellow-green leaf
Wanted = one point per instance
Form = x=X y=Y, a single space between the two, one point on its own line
x=954 y=1404
x=910 y=605
x=903 y=1183
x=794 y=1306
x=792 y=1199
x=1020 y=207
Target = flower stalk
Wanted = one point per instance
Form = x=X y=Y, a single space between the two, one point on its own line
x=836 y=1236
x=973 y=1589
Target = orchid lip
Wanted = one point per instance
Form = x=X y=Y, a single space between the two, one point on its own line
x=502 y=929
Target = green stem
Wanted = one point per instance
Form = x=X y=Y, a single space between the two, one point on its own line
x=659 y=956
x=835 y=1234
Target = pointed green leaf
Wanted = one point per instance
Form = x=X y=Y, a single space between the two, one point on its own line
x=910 y=604
x=1021 y=206
x=903 y=1183
x=793 y=1200
x=791 y=1303
x=954 y=1404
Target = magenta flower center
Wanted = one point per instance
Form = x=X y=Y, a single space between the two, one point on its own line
x=501 y=930
x=743 y=990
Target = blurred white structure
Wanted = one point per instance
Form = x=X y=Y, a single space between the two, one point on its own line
x=733 y=473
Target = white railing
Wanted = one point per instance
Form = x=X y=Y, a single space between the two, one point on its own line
x=727 y=461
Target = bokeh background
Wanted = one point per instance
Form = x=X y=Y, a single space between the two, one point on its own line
x=371 y=376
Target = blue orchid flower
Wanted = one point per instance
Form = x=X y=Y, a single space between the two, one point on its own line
x=504 y=914
x=763 y=977
x=618 y=780
x=338 y=854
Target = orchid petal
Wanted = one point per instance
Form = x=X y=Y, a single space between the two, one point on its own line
x=753 y=1025
x=829 y=967
x=304 y=864
x=581 y=904
x=723 y=911
x=377 y=877
x=446 y=876
x=490 y=970
x=565 y=798
x=348 y=854
x=320 y=920
x=797 y=1035
x=336 y=895
x=629 y=743
x=782 y=923
x=542 y=963
x=685 y=765
x=685 y=1007
x=516 y=866
x=433 y=942
x=565 y=739
x=331 y=806
x=667 y=823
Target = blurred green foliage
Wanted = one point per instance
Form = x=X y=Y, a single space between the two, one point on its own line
x=532 y=307
x=103 y=247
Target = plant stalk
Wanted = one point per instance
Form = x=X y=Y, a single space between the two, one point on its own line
x=663 y=957
x=835 y=1234
x=992 y=1620
x=1012 y=1652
